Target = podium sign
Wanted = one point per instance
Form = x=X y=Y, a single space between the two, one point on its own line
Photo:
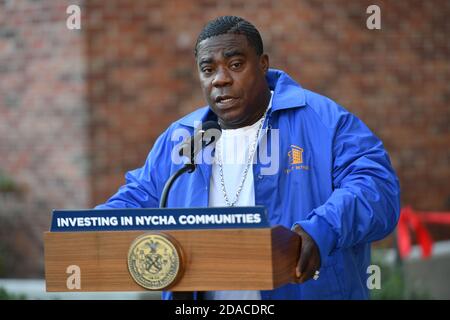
x=192 y=249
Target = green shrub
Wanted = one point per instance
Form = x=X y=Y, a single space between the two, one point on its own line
x=5 y=295
x=7 y=184
x=393 y=285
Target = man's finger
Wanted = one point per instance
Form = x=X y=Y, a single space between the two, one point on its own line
x=300 y=269
x=305 y=257
x=307 y=273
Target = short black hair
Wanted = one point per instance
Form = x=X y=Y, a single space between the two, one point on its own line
x=233 y=25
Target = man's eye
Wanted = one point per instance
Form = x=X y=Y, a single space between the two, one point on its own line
x=236 y=65
x=206 y=70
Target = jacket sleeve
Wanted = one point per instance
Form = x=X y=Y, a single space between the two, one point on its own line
x=143 y=185
x=365 y=203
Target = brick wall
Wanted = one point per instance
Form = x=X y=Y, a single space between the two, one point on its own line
x=143 y=76
x=43 y=127
x=97 y=98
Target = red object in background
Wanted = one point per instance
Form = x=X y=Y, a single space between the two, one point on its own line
x=416 y=221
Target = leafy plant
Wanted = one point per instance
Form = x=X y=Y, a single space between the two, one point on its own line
x=7 y=184
x=393 y=283
x=5 y=295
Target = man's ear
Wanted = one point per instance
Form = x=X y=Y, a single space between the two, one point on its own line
x=264 y=62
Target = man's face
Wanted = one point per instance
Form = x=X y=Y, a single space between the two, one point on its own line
x=232 y=78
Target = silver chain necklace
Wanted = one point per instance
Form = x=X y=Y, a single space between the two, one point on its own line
x=249 y=162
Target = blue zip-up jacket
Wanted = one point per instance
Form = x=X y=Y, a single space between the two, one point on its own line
x=334 y=178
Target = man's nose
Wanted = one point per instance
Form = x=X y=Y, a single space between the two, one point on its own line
x=222 y=78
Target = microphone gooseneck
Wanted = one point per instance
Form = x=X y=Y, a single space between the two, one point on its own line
x=207 y=134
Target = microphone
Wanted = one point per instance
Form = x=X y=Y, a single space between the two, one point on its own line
x=208 y=133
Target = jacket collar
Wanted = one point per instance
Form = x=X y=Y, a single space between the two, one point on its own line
x=287 y=94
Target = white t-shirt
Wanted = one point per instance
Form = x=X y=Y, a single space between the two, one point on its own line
x=234 y=147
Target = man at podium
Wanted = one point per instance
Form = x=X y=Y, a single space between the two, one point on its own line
x=315 y=167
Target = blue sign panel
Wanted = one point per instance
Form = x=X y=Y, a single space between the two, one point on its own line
x=159 y=219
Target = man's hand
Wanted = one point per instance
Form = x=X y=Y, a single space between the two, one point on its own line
x=309 y=261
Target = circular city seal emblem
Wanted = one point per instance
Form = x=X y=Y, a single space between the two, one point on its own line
x=154 y=261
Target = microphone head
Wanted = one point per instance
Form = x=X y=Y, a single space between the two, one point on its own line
x=209 y=132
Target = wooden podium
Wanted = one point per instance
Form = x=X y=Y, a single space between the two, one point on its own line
x=214 y=259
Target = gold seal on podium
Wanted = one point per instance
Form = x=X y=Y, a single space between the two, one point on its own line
x=155 y=261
